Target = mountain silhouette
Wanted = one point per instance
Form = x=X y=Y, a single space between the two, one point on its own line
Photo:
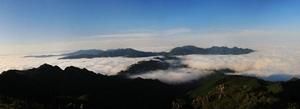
x=128 y=52
x=72 y=88
x=156 y=63
x=50 y=87
x=144 y=67
x=189 y=49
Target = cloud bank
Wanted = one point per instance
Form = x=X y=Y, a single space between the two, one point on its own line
x=272 y=64
x=106 y=66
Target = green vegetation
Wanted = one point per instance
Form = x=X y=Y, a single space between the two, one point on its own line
x=237 y=92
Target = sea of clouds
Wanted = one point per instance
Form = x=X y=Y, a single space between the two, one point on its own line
x=274 y=65
x=106 y=66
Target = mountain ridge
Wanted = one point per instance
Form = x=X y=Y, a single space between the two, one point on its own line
x=183 y=50
x=50 y=87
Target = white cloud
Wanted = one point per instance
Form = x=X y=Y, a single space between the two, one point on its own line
x=174 y=76
x=263 y=64
x=161 y=40
x=153 y=33
x=176 y=31
x=107 y=66
x=272 y=64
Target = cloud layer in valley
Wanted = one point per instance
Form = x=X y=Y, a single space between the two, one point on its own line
x=277 y=56
x=272 y=64
x=107 y=66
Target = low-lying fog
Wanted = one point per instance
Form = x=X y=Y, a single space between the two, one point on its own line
x=270 y=64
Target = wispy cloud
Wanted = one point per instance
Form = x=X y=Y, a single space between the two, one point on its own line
x=158 y=40
x=149 y=33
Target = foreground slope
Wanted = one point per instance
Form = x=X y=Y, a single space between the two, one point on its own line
x=221 y=91
x=49 y=87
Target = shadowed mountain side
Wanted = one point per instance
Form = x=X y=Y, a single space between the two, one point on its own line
x=157 y=63
x=49 y=87
x=144 y=67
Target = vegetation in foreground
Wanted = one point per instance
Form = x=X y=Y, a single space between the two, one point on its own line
x=49 y=87
x=219 y=91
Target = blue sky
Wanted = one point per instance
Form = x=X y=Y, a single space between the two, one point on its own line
x=28 y=21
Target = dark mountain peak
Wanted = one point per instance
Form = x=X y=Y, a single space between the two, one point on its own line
x=145 y=66
x=215 y=50
x=89 y=50
x=85 y=52
x=225 y=70
x=122 y=49
x=10 y=73
x=294 y=79
x=156 y=63
x=188 y=46
x=185 y=50
x=121 y=52
x=129 y=52
x=72 y=68
x=48 y=68
x=46 y=65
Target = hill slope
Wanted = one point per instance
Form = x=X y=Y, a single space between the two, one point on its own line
x=49 y=87
x=237 y=92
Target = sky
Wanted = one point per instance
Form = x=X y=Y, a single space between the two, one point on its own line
x=36 y=26
x=41 y=27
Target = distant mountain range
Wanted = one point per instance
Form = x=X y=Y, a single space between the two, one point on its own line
x=49 y=87
x=187 y=50
x=132 y=53
x=41 y=56
x=128 y=52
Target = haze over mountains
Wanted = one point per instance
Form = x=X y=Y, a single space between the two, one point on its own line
x=265 y=64
x=188 y=79
x=128 y=52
